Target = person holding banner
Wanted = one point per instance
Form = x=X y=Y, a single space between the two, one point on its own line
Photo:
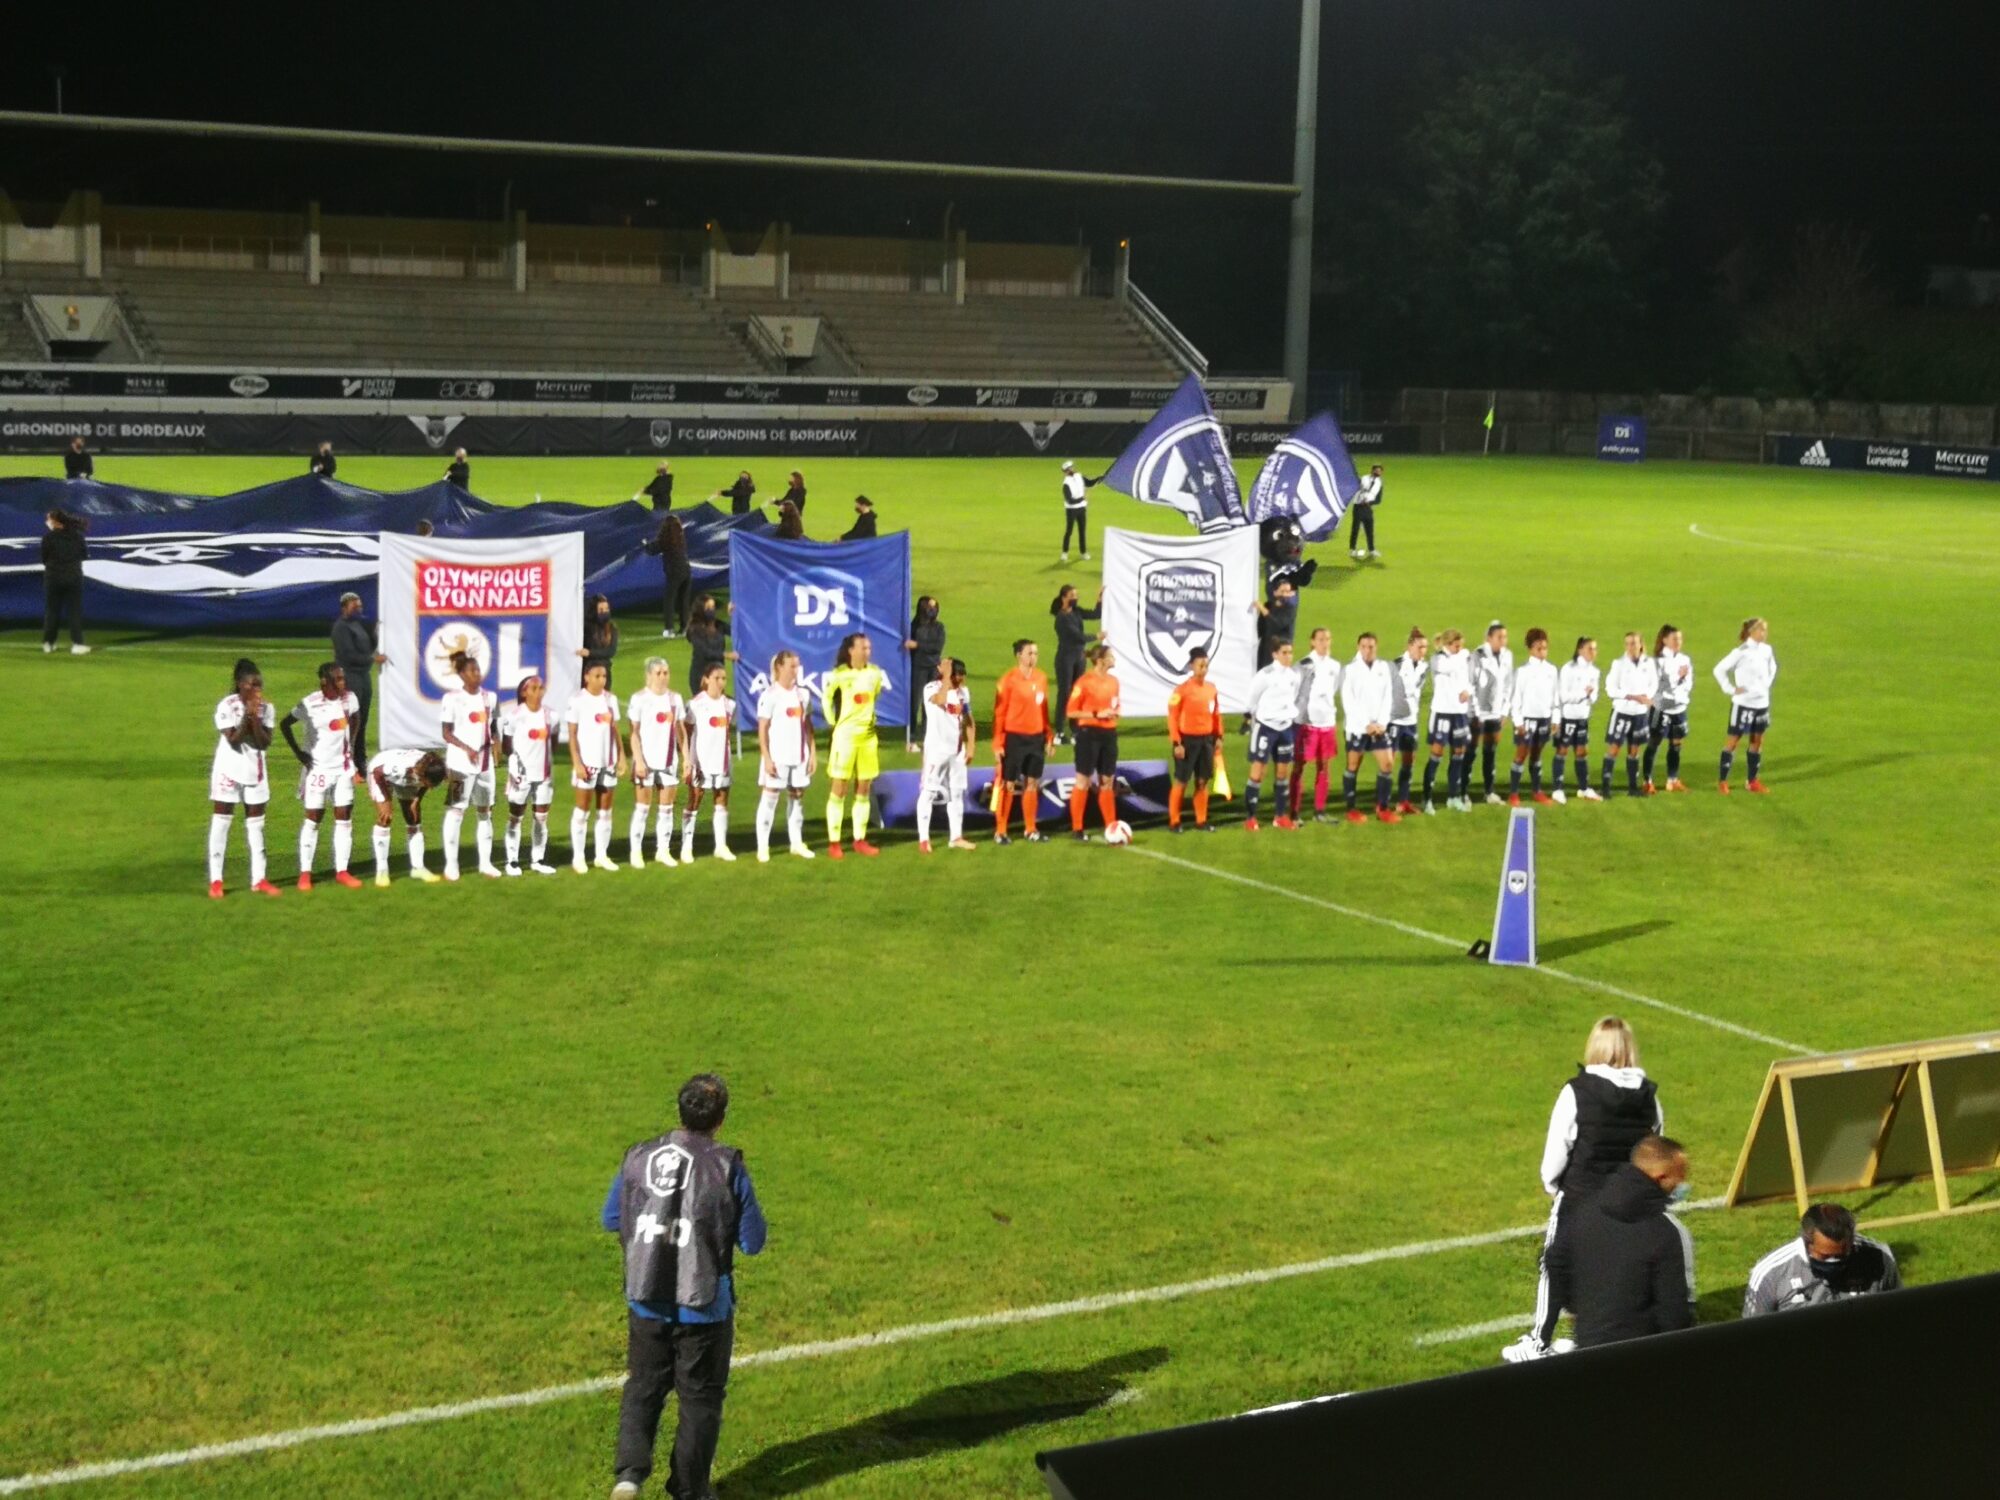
x=1194 y=724
x=852 y=692
x=950 y=737
x=597 y=762
x=1093 y=710
x=402 y=777
x=1367 y=698
x=925 y=645
x=1076 y=510
x=1071 y=656
x=1537 y=688
x=528 y=741
x=1670 y=705
x=1022 y=735
x=467 y=714
x=788 y=753
x=1318 y=731
x=658 y=719
x=712 y=713
x=1366 y=498
x=244 y=722
x=1451 y=706
x=669 y=545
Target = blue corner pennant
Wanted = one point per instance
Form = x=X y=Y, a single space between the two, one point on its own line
x=1514 y=913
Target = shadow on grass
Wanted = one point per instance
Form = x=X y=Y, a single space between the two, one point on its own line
x=959 y=1416
x=1583 y=942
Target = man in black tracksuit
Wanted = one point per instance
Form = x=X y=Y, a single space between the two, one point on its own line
x=76 y=461
x=1632 y=1263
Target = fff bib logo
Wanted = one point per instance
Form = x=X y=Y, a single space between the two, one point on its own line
x=497 y=613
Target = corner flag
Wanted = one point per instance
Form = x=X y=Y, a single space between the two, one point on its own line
x=1181 y=458
x=1514 y=914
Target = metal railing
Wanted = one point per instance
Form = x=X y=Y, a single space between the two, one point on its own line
x=205 y=252
x=1161 y=327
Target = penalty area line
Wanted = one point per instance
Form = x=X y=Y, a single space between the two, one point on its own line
x=297 y=1437
x=1563 y=975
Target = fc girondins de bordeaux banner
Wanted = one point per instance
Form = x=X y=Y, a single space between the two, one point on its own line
x=1164 y=596
x=516 y=606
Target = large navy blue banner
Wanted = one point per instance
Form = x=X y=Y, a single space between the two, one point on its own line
x=288 y=551
x=804 y=597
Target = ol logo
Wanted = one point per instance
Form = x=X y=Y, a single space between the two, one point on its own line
x=1180 y=608
x=666 y=1170
x=1517 y=882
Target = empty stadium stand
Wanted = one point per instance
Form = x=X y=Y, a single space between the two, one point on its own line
x=220 y=317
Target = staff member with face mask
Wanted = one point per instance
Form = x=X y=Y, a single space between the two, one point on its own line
x=1827 y=1262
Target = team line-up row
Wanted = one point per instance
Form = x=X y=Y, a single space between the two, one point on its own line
x=1296 y=705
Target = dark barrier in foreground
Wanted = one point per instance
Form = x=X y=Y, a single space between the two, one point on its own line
x=1889 y=1395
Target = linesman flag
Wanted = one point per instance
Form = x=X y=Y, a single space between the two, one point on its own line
x=1309 y=476
x=1181 y=458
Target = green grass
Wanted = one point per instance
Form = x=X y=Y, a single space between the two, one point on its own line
x=281 y=1163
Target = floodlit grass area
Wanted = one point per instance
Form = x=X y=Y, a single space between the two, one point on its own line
x=275 y=1164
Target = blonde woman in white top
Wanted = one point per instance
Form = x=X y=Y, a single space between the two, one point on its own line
x=1746 y=674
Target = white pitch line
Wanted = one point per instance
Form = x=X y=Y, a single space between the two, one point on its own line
x=1474 y=1330
x=1450 y=942
x=1976 y=561
x=296 y=1437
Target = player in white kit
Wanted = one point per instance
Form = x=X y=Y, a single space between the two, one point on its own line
x=528 y=742
x=950 y=736
x=403 y=776
x=467 y=715
x=788 y=755
x=327 y=770
x=711 y=720
x=596 y=761
x=658 y=719
x=244 y=723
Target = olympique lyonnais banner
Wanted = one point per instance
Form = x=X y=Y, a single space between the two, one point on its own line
x=288 y=551
x=806 y=597
x=1308 y=476
x=515 y=606
x=1164 y=596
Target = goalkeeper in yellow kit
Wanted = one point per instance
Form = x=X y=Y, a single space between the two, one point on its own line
x=850 y=694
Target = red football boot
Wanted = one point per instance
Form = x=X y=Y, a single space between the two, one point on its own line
x=265 y=888
x=1387 y=816
x=1759 y=788
x=862 y=846
x=215 y=890
x=341 y=877
x=834 y=851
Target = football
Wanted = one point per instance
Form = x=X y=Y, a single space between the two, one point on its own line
x=1118 y=833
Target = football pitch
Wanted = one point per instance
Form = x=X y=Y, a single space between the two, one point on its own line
x=1095 y=1140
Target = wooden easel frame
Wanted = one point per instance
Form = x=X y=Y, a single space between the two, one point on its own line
x=1913 y=1060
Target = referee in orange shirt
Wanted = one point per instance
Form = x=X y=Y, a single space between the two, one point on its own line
x=1093 y=717
x=1021 y=736
x=1194 y=723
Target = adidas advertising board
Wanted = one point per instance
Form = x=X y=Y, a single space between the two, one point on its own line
x=515 y=606
x=1165 y=596
x=1942 y=460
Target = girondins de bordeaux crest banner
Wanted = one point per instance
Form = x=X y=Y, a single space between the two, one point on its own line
x=1165 y=596
x=515 y=606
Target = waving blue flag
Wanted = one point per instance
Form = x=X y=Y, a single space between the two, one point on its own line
x=1309 y=476
x=1181 y=458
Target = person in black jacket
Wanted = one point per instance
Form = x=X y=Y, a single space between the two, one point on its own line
x=459 y=472
x=739 y=494
x=63 y=551
x=77 y=462
x=671 y=548
x=354 y=648
x=864 y=521
x=1634 y=1262
x=322 y=462
x=708 y=638
x=925 y=644
x=1070 y=647
x=661 y=489
x=600 y=637
x=795 y=490
x=1599 y=1116
x=791 y=527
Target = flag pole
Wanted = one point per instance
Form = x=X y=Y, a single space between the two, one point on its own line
x=1492 y=405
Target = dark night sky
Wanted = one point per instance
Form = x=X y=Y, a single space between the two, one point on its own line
x=1764 y=114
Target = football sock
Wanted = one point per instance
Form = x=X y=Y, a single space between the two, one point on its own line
x=513 y=841
x=836 y=814
x=1403 y=781
x=541 y=834
x=1381 y=791
x=1673 y=762
x=1320 y=779
x=380 y=838
x=636 y=837
x=1755 y=761
x=954 y=811
x=482 y=841
x=1174 y=795
x=218 y=843
x=1610 y=764
x=1535 y=774
x=1431 y=775
x=1486 y=761
x=579 y=834
x=308 y=845
x=604 y=833
x=767 y=815
x=1632 y=774
x=663 y=830
x=1283 y=800
x=857 y=817
x=1201 y=805
x=1003 y=807
x=1079 y=798
x=925 y=799
x=454 y=823
x=253 y=830
x=1031 y=805
x=1652 y=753
x=416 y=848
x=1728 y=759
x=687 y=829
x=1349 y=787
x=1514 y=783
x=343 y=843
x=1107 y=805
x=1561 y=762
x=1252 y=793
x=719 y=823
